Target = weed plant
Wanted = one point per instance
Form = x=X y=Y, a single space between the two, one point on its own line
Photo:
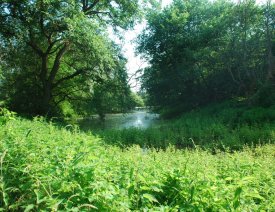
x=217 y=126
x=45 y=168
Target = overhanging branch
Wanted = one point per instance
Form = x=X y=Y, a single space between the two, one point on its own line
x=76 y=73
x=57 y=61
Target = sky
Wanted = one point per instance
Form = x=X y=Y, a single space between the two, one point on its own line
x=128 y=47
x=135 y=62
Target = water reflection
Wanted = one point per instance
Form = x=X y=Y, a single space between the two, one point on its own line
x=139 y=119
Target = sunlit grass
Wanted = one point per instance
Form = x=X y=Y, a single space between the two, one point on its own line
x=48 y=168
x=219 y=126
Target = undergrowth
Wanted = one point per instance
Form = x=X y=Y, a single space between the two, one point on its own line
x=217 y=126
x=45 y=168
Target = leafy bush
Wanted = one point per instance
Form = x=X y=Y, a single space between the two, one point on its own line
x=46 y=168
x=6 y=115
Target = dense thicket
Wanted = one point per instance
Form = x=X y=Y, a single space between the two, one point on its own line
x=202 y=51
x=58 y=51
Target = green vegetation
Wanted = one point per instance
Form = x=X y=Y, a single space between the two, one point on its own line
x=57 y=58
x=44 y=167
x=203 y=51
x=55 y=53
x=228 y=125
x=217 y=154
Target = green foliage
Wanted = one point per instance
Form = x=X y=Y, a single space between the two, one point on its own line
x=265 y=96
x=6 y=115
x=43 y=168
x=220 y=126
x=54 y=51
x=203 y=51
x=112 y=95
x=137 y=100
x=67 y=110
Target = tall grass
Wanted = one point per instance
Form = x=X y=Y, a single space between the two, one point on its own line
x=45 y=168
x=219 y=126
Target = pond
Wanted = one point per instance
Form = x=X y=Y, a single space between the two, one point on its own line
x=139 y=119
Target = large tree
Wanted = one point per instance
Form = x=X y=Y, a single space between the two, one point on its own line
x=202 y=51
x=50 y=47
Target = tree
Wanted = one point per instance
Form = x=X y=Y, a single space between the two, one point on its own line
x=174 y=42
x=202 y=51
x=270 y=38
x=113 y=95
x=50 y=45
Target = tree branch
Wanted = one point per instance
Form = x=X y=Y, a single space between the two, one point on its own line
x=48 y=51
x=57 y=61
x=35 y=48
x=76 y=73
x=99 y=12
x=87 y=8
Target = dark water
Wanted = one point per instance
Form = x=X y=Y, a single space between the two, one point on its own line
x=139 y=119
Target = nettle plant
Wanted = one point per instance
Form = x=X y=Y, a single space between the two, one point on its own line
x=6 y=115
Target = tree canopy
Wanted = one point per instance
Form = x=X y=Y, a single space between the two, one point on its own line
x=202 y=51
x=57 y=54
x=54 y=51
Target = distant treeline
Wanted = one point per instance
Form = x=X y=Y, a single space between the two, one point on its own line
x=203 y=51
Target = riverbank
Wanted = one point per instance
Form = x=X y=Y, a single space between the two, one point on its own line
x=141 y=119
x=44 y=167
x=230 y=125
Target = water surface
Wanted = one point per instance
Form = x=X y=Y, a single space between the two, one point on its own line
x=139 y=119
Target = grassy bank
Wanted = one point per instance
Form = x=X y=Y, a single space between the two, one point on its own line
x=224 y=126
x=44 y=168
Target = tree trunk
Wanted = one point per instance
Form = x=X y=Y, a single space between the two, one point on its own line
x=271 y=66
x=48 y=79
x=46 y=99
x=269 y=34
